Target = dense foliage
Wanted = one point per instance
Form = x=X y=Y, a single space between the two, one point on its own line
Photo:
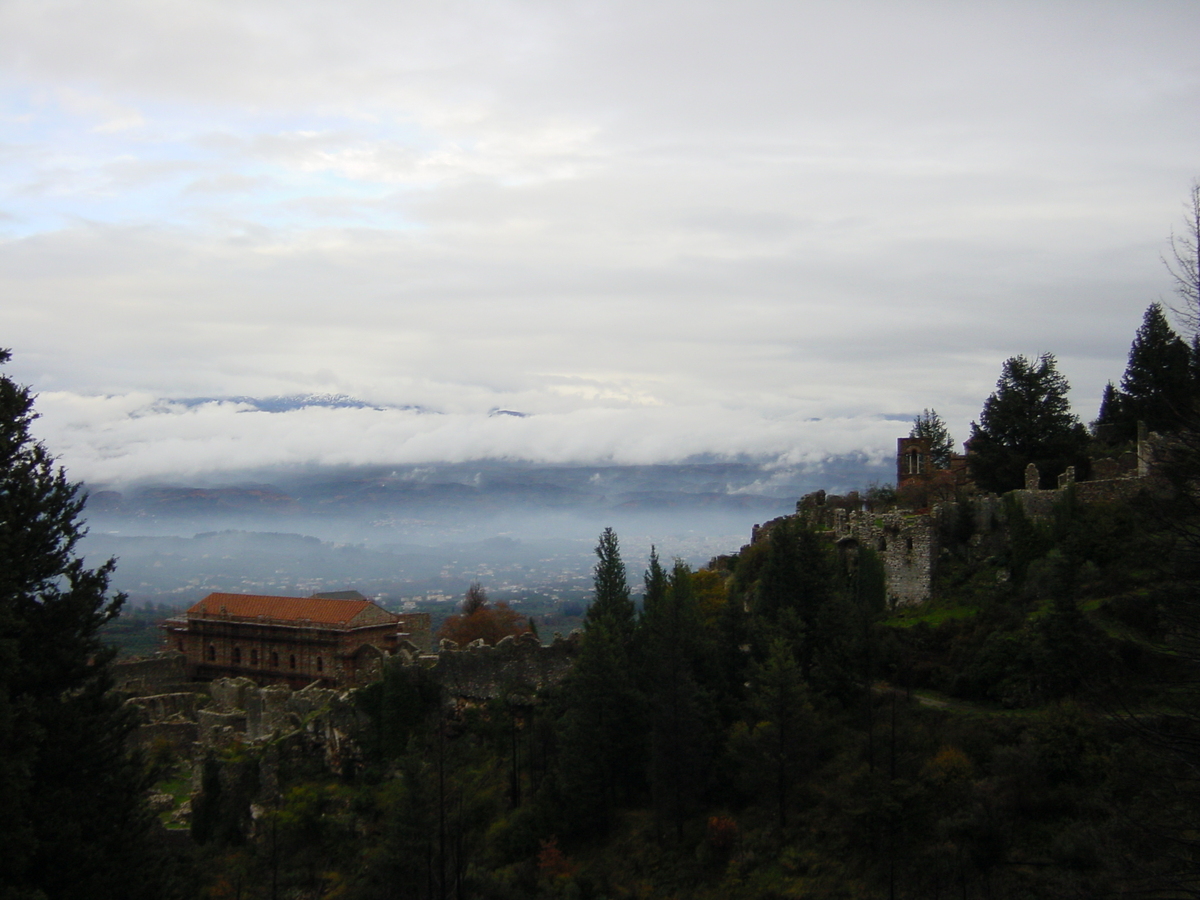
x=1027 y=420
x=1158 y=385
x=481 y=620
x=74 y=821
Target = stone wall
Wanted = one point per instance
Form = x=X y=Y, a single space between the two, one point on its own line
x=210 y=715
x=516 y=664
x=158 y=674
x=907 y=545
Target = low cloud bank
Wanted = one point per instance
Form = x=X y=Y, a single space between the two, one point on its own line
x=114 y=440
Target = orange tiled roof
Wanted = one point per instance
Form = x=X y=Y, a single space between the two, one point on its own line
x=312 y=609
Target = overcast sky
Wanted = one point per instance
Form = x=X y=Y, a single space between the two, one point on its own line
x=659 y=228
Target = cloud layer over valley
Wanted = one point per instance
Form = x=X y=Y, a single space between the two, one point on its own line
x=660 y=230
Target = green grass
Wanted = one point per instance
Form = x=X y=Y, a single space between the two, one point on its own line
x=931 y=614
x=179 y=787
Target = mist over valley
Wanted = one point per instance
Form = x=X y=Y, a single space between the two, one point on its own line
x=416 y=536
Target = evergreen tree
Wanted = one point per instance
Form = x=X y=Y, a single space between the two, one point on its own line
x=1110 y=413
x=795 y=586
x=655 y=580
x=1027 y=420
x=681 y=719
x=929 y=425
x=75 y=823
x=1156 y=386
x=783 y=722
x=612 y=604
x=603 y=729
x=601 y=733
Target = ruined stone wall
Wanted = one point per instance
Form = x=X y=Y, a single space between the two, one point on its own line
x=219 y=713
x=158 y=674
x=907 y=545
x=515 y=664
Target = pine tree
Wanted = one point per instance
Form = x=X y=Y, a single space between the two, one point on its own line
x=602 y=730
x=929 y=425
x=783 y=720
x=1110 y=413
x=1155 y=388
x=655 y=580
x=75 y=823
x=612 y=603
x=682 y=723
x=1027 y=420
x=795 y=586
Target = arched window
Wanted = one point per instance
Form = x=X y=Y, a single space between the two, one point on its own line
x=212 y=653
x=916 y=463
x=292 y=661
x=254 y=656
x=274 y=660
x=320 y=665
x=237 y=656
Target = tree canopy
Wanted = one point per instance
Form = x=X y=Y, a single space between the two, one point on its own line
x=481 y=619
x=1028 y=419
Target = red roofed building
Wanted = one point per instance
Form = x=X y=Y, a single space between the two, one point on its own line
x=337 y=639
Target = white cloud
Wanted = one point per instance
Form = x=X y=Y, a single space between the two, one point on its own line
x=121 y=439
x=658 y=226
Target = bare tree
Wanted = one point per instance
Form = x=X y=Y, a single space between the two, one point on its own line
x=1183 y=262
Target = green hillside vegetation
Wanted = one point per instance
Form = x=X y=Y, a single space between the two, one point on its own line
x=786 y=736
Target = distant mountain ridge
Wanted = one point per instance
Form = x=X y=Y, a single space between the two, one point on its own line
x=292 y=402
x=452 y=490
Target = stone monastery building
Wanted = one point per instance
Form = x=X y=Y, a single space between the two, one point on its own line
x=336 y=639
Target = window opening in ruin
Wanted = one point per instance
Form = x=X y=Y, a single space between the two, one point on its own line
x=253 y=656
x=237 y=656
x=320 y=665
x=274 y=660
x=292 y=661
x=908 y=544
x=916 y=463
x=883 y=543
x=212 y=653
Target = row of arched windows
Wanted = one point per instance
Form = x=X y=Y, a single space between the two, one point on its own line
x=236 y=658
